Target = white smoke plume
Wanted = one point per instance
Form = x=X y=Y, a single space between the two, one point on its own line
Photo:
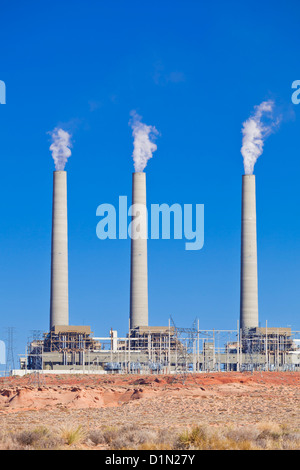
x=255 y=130
x=143 y=145
x=60 y=147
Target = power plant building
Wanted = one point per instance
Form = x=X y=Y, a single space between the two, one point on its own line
x=156 y=349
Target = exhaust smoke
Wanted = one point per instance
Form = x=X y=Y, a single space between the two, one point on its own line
x=143 y=144
x=60 y=147
x=255 y=130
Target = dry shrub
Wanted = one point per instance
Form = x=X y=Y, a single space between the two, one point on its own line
x=96 y=436
x=7 y=442
x=197 y=437
x=38 y=438
x=129 y=437
x=277 y=436
x=72 y=435
x=137 y=438
x=167 y=437
x=110 y=434
x=270 y=428
x=242 y=434
x=205 y=438
x=267 y=436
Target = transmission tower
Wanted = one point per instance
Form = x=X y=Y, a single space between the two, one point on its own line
x=10 y=360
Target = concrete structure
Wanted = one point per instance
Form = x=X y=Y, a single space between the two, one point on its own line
x=139 y=268
x=162 y=349
x=249 y=289
x=156 y=349
x=59 y=299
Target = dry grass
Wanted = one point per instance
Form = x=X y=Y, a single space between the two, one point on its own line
x=71 y=435
x=213 y=411
x=37 y=438
x=96 y=437
x=263 y=436
x=131 y=437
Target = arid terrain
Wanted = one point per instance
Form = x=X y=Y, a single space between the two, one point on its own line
x=162 y=405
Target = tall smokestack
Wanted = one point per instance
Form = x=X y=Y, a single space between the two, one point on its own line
x=139 y=268
x=249 y=287
x=255 y=130
x=143 y=148
x=59 y=301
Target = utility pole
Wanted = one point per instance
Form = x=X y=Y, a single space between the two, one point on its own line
x=10 y=361
x=267 y=365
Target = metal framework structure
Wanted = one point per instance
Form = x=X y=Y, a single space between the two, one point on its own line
x=166 y=349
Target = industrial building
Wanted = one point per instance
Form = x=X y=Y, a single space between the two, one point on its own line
x=157 y=349
x=163 y=350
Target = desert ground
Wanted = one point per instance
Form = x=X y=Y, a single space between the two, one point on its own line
x=259 y=410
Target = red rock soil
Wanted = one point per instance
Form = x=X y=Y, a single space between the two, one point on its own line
x=153 y=401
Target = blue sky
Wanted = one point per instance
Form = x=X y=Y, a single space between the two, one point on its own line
x=194 y=70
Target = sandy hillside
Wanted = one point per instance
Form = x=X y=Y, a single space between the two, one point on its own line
x=151 y=401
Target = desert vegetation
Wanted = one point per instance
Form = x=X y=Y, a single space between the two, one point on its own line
x=263 y=436
x=217 y=411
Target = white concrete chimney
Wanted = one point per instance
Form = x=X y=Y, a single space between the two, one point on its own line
x=139 y=268
x=59 y=300
x=249 y=287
